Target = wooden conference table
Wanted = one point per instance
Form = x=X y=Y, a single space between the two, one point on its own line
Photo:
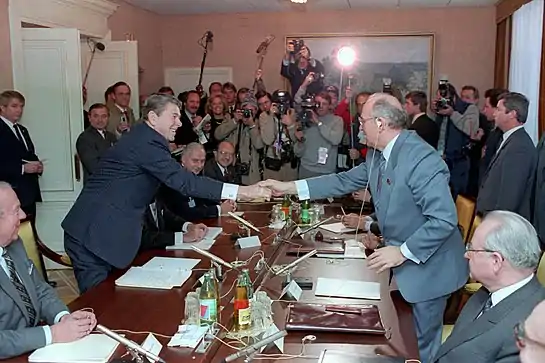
x=162 y=311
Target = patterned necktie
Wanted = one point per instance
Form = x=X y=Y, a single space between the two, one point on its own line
x=25 y=297
x=487 y=306
x=381 y=167
x=19 y=135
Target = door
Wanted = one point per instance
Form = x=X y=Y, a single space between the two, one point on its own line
x=53 y=115
x=118 y=62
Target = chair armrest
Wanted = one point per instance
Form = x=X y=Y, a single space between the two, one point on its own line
x=63 y=260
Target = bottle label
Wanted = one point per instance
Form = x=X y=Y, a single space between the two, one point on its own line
x=244 y=317
x=209 y=309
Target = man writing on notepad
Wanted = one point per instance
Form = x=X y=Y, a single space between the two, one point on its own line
x=25 y=298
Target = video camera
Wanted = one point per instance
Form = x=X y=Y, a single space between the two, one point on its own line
x=446 y=99
x=298 y=44
x=387 y=86
x=247 y=113
x=282 y=99
x=308 y=106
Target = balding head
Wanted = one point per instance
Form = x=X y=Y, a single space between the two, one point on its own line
x=225 y=154
x=10 y=214
x=531 y=338
x=382 y=118
x=193 y=157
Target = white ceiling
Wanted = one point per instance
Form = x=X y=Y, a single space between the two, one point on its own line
x=172 y=7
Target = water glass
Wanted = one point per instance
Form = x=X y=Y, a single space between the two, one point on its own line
x=192 y=313
x=313 y=216
x=277 y=216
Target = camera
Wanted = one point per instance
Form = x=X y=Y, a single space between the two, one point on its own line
x=387 y=86
x=242 y=168
x=308 y=106
x=446 y=98
x=247 y=113
x=282 y=99
x=298 y=44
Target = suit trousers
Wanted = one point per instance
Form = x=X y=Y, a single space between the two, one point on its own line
x=89 y=269
x=428 y=322
x=459 y=175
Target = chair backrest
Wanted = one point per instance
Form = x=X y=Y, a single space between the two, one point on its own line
x=29 y=241
x=541 y=270
x=465 y=209
x=476 y=222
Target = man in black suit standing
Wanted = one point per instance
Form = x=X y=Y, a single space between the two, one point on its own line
x=509 y=180
x=186 y=134
x=221 y=167
x=19 y=164
x=416 y=104
x=127 y=179
x=95 y=139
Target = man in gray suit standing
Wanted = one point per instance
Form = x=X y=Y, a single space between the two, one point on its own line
x=508 y=182
x=25 y=299
x=415 y=212
x=503 y=255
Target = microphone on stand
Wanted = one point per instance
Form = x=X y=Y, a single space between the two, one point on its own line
x=250 y=350
x=265 y=43
x=129 y=343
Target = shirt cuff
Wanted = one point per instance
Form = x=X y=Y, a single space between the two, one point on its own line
x=219 y=209
x=302 y=189
x=59 y=316
x=408 y=254
x=185 y=227
x=23 y=169
x=229 y=191
x=367 y=226
x=285 y=62
x=48 y=335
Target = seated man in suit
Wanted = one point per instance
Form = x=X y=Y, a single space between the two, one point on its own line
x=159 y=226
x=94 y=140
x=193 y=209
x=503 y=255
x=25 y=298
x=221 y=167
x=415 y=213
x=416 y=105
x=530 y=336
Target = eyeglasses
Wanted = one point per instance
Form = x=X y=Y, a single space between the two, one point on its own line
x=362 y=119
x=469 y=248
x=521 y=338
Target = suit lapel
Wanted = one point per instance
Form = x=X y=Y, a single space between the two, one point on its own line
x=502 y=147
x=11 y=291
x=12 y=135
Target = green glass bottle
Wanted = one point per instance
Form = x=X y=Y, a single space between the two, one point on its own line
x=246 y=273
x=208 y=301
x=305 y=207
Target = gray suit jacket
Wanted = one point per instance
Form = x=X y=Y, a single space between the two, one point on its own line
x=539 y=200
x=91 y=146
x=16 y=336
x=414 y=207
x=509 y=180
x=490 y=338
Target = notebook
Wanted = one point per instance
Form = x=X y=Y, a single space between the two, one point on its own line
x=338 y=228
x=332 y=356
x=153 y=279
x=94 y=348
x=347 y=288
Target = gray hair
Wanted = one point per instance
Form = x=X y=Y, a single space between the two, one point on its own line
x=158 y=103
x=396 y=118
x=514 y=238
x=191 y=147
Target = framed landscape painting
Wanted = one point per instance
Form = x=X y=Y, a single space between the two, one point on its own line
x=406 y=60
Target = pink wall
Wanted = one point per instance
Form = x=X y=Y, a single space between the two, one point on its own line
x=6 y=75
x=145 y=27
x=465 y=38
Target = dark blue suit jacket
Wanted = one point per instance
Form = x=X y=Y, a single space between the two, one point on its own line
x=107 y=216
x=12 y=154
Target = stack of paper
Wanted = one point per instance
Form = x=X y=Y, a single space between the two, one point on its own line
x=94 y=348
x=205 y=244
x=354 y=249
x=347 y=288
x=159 y=273
x=338 y=228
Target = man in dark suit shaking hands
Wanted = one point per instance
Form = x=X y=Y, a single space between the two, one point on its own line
x=508 y=181
x=103 y=228
x=19 y=164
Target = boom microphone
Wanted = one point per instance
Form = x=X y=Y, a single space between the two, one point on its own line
x=265 y=44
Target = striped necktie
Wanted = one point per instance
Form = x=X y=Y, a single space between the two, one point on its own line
x=25 y=297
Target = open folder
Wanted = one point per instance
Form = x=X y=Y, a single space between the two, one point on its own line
x=94 y=348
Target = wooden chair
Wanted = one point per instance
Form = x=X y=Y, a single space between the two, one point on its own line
x=465 y=209
x=36 y=249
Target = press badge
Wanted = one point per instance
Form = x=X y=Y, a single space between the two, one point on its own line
x=322 y=155
x=191 y=203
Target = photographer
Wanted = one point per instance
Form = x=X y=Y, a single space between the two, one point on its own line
x=242 y=131
x=458 y=121
x=297 y=64
x=280 y=161
x=318 y=137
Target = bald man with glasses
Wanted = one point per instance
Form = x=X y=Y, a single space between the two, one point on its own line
x=530 y=336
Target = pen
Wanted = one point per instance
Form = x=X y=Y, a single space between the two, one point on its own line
x=342 y=209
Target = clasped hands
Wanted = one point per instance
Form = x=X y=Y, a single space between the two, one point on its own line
x=74 y=326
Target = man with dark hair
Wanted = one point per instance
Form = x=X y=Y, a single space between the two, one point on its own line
x=509 y=179
x=214 y=89
x=470 y=94
x=19 y=164
x=186 y=134
x=109 y=95
x=121 y=114
x=297 y=64
x=416 y=105
x=166 y=90
x=229 y=91
x=94 y=140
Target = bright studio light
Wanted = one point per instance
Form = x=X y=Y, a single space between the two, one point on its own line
x=346 y=56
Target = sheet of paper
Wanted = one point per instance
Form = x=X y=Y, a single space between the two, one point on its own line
x=211 y=235
x=205 y=244
x=94 y=348
x=354 y=249
x=240 y=214
x=347 y=288
x=152 y=345
x=172 y=263
x=338 y=228
x=153 y=278
x=188 y=336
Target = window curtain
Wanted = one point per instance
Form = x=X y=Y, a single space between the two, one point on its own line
x=525 y=60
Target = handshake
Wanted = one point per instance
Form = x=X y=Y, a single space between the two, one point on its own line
x=264 y=190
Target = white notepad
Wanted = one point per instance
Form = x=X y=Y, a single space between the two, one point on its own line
x=211 y=235
x=171 y=263
x=338 y=228
x=153 y=278
x=347 y=288
x=94 y=348
x=205 y=244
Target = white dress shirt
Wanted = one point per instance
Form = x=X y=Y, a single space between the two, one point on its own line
x=506 y=135
x=505 y=292
x=46 y=328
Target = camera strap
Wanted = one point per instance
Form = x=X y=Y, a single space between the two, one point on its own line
x=237 y=147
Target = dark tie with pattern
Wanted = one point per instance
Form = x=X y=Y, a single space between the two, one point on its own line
x=19 y=134
x=381 y=166
x=487 y=306
x=20 y=287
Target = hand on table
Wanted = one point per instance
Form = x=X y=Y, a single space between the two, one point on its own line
x=385 y=258
x=228 y=206
x=353 y=220
x=195 y=232
x=73 y=326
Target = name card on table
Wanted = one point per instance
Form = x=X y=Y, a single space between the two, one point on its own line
x=248 y=242
x=279 y=343
x=152 y=345
x=292 y=291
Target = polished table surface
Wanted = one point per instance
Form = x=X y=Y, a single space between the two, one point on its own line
x=162 y=311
